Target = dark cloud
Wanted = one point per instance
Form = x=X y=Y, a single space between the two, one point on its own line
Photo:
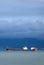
x=21 y=27
x=21 y=18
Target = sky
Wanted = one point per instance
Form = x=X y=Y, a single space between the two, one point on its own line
x=22 y=18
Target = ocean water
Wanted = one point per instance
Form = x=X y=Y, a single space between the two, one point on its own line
x=22 y=58
x=21 y=42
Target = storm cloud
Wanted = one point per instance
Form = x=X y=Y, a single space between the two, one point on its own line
x=21 y=18
x=22 y=26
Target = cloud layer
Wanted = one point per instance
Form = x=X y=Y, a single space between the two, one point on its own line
x=22 y=27
x=21 y=18
x=21 y=2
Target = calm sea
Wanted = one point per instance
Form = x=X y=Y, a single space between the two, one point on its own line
x=22 y=58
x=21 y=42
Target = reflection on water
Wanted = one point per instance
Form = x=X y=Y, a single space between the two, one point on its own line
x=22 y=58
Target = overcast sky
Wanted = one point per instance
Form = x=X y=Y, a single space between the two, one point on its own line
x=22 y=18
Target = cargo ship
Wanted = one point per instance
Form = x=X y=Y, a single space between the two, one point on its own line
x=18 y=49
x=22 y=49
